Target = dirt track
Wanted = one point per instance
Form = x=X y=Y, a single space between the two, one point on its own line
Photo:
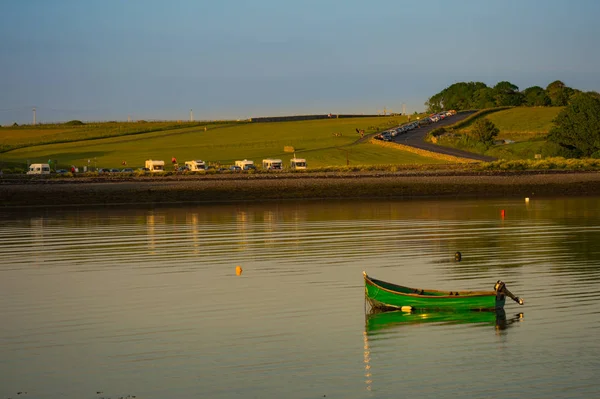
x=406 y=184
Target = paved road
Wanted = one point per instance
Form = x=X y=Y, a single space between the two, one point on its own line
x=416 y=138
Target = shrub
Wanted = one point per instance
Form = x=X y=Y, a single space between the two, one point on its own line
x=484 y=131
x=74 y=123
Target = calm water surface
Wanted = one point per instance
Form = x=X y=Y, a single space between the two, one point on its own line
x=117 y=301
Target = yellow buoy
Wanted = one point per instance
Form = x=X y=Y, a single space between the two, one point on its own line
x=406 y=308
x=238 y=270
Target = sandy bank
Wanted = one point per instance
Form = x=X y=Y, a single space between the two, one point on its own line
x=172 y=189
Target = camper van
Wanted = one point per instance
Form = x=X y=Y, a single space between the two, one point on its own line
x=272 y=164
x=196 y=165
x=155 y=166
x=298 y=163
x=245 y=164
x=39 y=169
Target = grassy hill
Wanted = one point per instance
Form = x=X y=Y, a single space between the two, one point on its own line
x=526 y=126
x=325 y=142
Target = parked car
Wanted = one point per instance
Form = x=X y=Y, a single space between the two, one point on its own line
x=235 y=168
x=127 y=170
x=114 y=170
x=61 y=171
x=103 y=170
x=183 y=169
x=144 y=169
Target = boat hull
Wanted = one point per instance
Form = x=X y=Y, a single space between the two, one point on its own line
x=386 y=296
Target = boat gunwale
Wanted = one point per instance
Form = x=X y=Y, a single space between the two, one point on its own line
x=461 y=294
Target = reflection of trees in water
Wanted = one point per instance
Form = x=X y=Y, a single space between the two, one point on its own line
x=564 y=245
x=579 y=249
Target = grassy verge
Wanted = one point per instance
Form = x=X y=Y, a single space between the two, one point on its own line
x=557 y=163
x=522 y=135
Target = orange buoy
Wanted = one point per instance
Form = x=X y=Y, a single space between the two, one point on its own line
x=238 y=270
x=502 y=213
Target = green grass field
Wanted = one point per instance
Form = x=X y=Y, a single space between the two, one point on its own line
x=523 y=123
x=526 y=126
x=325 y=142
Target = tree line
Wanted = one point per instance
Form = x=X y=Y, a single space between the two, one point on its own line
x=477 y=95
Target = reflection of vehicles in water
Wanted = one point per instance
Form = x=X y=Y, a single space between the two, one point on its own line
x=387 y=296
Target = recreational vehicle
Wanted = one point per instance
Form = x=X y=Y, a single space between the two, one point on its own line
x=245 y=164
x=298 y=163
x=272 y=164
x=196 y=165
x=39 y=169
x=155 y=166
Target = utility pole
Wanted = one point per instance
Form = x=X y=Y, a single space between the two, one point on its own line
x=403 y=109
x=34 y=116
x=191 y=115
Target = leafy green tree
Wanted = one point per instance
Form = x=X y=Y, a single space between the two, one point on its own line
x=484 y=98
x=535 y=96
x=559 y=93
x=484 y=131
x=458 y=96
x=593 y=94
x=507 y=94
x=577 y=127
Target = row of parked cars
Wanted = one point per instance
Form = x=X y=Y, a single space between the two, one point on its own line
x=391 y=133
x=441 y=115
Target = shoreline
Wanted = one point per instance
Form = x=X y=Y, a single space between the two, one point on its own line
x=40 y=192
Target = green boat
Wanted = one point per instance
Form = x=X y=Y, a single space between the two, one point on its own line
x=387 y=296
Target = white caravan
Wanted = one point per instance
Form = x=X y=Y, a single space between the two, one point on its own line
x=39 y=169
x=155 y=166
x=272 y=164
x=298 y=163
x=245 y=164
x=196 y=165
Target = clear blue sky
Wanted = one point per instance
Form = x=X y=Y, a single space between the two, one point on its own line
x=106 y=60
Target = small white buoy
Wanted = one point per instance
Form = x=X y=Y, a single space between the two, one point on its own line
x=406 y=308
x=527 y=199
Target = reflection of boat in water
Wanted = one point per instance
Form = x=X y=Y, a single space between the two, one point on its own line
x=377 y=323
x=378 y=320
x=388 y=296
